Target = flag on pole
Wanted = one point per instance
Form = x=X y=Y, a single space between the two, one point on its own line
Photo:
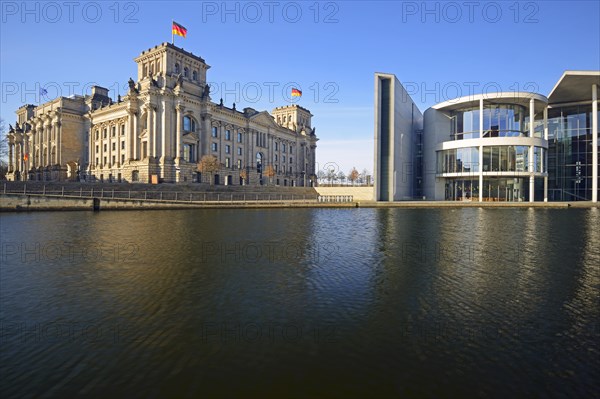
x=296 y=92
x=178 y=29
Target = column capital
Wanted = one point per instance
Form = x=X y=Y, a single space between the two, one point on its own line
x=150 y=106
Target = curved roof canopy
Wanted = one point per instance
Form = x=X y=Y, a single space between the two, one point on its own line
x=518 y=98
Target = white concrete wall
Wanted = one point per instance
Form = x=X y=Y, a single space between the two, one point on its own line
x=436 y=130
x=406 y=118
x=359 y=193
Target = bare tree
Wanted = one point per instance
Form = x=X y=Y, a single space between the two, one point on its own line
x=341 y=177
x=331 y=176
x=353 y=175
x=270 y=172
x=3 y=150
x=366 y=175
x=321 y=176
x=209 y=164
x=243 y=175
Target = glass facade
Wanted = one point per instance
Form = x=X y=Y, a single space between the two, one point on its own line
x=499 y=120
x=570 y=153
x=508 y=158
x=494 y=189
x=459 y=160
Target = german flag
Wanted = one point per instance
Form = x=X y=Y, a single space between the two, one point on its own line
x=179 y=29
x=296 y=92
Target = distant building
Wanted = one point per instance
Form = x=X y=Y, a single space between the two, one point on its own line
x=160 y=131
x=514 y=146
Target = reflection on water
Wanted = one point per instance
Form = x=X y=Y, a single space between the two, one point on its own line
x=352 y=302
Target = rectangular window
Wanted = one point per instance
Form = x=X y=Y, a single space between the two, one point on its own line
x=291 y=160
x=114 y=146
x=113 y=159
x=239 y=151
x=97 y=149
x=214 y=131
x=239 y=164
x=122 y=158
x=214 y=146
x=114 y=131
x=227 y=162
x=122 y=145
x=227 y=134
x=122 y=130
x=239 y=137
x=189 y=152
x=291 y=150
x=104 y=132
x=283 y=147
x=227 y=149
x=105 y=148
x=276 y=146
x=275 y=157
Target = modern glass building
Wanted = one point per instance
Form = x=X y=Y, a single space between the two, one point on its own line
x=513 y=146
x=573 y=137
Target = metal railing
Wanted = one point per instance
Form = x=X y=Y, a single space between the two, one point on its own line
x=335 y=198
x=164 y=196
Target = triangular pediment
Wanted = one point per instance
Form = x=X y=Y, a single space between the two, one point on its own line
x=263 y=118
x=192 y=137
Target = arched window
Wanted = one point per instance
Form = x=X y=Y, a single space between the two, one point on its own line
x=189 y=124
x=259 y=158
x=185 y=72
x=176 y=68
x=195 y=75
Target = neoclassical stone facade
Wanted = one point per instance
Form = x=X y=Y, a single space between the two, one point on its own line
x=160 y=131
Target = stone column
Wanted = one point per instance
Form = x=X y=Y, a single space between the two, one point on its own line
x=58 y=130
x=21 y=161
x=33 y=142
x=11 y=145
x=154 y=134
x=149 y=131
x=91 y=154
x=133 y=134
x=128 y=137
x=48 y=127
x=119 y=141
x=179 y=108
x=101 y=156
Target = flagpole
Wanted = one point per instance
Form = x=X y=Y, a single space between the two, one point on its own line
x=172 y=34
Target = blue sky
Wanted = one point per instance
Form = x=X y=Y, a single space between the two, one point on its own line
x=330 y=49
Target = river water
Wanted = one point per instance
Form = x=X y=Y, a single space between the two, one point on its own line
x=297 y=302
